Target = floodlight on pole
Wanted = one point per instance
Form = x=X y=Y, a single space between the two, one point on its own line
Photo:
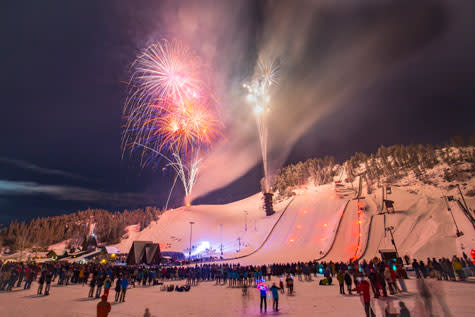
x=191 y=234
x=221 y=237
x=245 y=220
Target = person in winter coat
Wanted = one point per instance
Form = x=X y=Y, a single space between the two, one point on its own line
x=21 y=273
x=341 y=281
x=92 y=285
x=423 y=269
x=81 y=276
x=107 y=285
x=364 y=289
x=437 y=269
x=387 y=278
x=124 y=283
x=28 y=278
x=281 y=285
x=290 y=284
x=117 y=289
x=13 y=279
x=263 y=292
x=41 y=281
x=103 y=307
x=457 y=265
x=100 y=283
x=5 y=277
x=416 y=268
x=348 y=282
x=48 y=279
x=275 y=297
x=381 y=282
x=401 y=275
x=393 y=280
x=327 y=275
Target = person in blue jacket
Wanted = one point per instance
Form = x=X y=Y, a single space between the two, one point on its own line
x=263 y=291
x=275 y=297
x=124 y=283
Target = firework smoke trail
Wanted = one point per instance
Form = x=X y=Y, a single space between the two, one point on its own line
x=259 y=96
x=187 y=172
x=168 y=112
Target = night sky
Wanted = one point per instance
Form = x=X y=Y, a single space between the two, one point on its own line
x=63 y=65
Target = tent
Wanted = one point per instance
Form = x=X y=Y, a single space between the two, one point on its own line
x=112 y=250
x=144 y=252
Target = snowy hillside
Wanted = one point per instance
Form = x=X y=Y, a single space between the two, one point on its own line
x=317 y=215
x=310 y=226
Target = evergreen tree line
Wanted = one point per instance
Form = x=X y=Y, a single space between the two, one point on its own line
x=109 y=227
x=386 y=166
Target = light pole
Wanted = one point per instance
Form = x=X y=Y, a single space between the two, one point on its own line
x=221 y=237
x=191 y=234
x=245 y=220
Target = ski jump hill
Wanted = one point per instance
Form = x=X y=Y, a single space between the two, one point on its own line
x=325 y=222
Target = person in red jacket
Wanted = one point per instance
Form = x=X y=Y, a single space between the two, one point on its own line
x=103 y=307
x=363 y=289
x=393 y=279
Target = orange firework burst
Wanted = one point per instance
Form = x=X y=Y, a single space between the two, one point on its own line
x=185 y=125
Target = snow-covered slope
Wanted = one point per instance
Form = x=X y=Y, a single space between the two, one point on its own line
x=305 y=230
x=422 y=226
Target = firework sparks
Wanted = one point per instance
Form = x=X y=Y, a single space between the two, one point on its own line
x=188 y=125
x=165 y=70
x=259 y=91
x=168 y=114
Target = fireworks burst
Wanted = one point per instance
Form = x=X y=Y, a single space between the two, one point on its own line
x=168 y=114
x=187 y=125
x=165 y=70
x=259 y=92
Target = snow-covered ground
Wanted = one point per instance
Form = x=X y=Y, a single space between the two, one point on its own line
x=208 y=299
